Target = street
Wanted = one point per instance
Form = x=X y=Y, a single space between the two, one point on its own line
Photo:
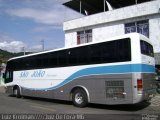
x=28 y=105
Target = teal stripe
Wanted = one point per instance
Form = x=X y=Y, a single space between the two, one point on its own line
x=116 y=69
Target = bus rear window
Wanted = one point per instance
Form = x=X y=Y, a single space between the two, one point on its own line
x=146 y=49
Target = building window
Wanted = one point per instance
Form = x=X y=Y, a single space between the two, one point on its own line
x=84 y=36
x=139 y=27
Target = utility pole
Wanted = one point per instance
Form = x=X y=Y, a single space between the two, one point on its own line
x=136 y=1
x=23 y=49
x=104 y=3
x=42 y=42
x=80 y=6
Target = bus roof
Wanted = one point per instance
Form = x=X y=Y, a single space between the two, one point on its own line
x=90 y=43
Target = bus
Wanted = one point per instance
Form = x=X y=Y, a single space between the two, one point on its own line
x=119 y=70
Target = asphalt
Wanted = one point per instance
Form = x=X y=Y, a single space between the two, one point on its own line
x=2 y=89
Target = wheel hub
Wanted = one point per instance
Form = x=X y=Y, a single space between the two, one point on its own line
x=78 y=98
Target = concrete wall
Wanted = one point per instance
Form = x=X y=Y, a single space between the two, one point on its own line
x=111 y=23
x=144 y=9
x=70 y=39
x=98 y=34
x=102 y=33
x=154 y=25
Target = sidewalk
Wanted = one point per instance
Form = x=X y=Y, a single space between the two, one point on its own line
x=156 y=100
x=2 y=89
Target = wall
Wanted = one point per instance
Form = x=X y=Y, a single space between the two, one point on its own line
x=70 y=39
x=111 y=23
x=144 y=9
x=154 y=25
x=102 y=33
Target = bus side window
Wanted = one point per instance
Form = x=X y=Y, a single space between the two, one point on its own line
x=83 y=55
x=72 y=57
x=8 y=76
x=62 y=58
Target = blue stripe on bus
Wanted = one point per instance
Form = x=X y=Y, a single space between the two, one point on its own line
x=115 y=69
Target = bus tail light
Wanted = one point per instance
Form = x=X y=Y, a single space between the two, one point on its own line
x=139 y=85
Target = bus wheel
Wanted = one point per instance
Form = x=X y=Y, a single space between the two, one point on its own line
x=16 y=92
x=79 y=98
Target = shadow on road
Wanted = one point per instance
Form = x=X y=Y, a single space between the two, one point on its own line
x=46 y=101
x=134 y=107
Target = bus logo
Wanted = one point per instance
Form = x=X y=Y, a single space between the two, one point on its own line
x=24 y=74
x=38 y=73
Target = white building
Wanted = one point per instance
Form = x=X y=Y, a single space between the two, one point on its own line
x=108 y=18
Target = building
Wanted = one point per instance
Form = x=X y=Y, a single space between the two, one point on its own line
x=108 y=18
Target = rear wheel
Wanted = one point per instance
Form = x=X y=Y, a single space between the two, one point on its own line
x=79 y=98
x=16 y=92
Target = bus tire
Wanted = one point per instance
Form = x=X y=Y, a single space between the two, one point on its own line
x=79 y=98
x=16 y=92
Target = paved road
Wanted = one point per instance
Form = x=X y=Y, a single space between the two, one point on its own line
x=27 y=105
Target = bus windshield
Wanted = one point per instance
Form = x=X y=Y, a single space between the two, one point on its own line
x=146 y=49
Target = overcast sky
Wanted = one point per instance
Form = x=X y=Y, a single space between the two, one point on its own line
x=24 y=23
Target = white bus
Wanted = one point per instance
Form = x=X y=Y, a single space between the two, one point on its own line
x=120 y=70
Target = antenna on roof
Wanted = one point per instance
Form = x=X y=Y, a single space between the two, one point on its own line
x=109 y=5
x=86 y=12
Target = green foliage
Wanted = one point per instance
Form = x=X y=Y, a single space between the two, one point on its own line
x=5 y=56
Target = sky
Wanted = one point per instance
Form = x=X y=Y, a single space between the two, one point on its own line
x=25 y=23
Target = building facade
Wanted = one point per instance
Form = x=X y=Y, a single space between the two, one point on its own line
x=143 y=18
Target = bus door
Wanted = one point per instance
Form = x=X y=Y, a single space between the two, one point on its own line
x=8 y=77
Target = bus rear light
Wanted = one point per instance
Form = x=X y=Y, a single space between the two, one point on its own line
x=139 y=85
